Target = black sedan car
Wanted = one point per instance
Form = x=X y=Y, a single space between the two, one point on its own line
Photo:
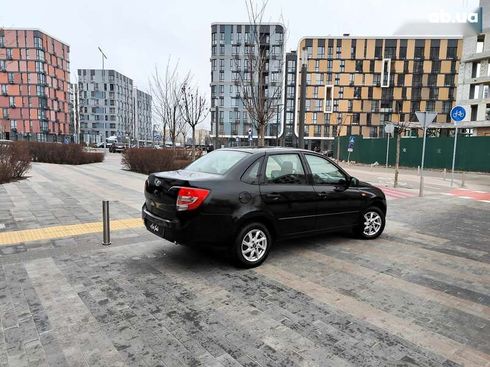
x=245 y=198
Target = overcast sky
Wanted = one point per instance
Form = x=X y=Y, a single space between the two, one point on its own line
x=137 y=35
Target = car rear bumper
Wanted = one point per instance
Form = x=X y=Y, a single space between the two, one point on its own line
x=201 y=230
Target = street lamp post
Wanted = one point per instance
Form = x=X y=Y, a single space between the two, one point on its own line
x=302 y=103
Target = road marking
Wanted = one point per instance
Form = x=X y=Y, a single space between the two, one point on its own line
x=404 y=328
x=48 y=233
x=397 y=283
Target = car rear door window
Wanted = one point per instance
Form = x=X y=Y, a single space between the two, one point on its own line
x=251 y=175
x=284 y=169
x=323 y=171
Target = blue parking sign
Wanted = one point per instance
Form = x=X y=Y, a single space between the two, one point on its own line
x=458 y=113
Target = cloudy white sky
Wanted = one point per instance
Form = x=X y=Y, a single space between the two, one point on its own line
x=137 y=35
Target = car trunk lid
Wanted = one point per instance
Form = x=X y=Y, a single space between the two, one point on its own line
x=161 y=190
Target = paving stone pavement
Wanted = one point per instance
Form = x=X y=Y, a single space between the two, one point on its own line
x=417 y=296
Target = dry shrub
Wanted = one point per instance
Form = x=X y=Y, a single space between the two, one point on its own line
x=149 y=160
x=63 y=153
x=15 y=161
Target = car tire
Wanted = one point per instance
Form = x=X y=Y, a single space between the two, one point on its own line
x=371 y=223
x=252 y=245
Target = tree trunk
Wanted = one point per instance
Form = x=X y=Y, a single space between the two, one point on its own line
x=397 y=162
x=338 y=148
x=261 y=136
x=193 y=142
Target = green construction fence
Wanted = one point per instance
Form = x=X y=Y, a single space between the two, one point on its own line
x=472 y=154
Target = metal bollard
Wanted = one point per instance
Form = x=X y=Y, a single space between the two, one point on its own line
x=445 y=172
x=418 y=170
x=106 y=223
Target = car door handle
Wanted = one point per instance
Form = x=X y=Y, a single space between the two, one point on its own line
x=273 y=196
x=322 y=194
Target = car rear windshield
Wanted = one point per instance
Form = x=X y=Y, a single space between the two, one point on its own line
x=219 y=162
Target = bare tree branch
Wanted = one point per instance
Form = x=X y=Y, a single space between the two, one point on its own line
x=260 y=90
x=194 y=110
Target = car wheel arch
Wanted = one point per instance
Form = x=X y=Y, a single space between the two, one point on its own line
x=379 y=204
x=258 y=217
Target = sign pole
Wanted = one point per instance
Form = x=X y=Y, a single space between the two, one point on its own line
x=454 y=154
x=421 y=187
x=387 y=149
x=425 y=119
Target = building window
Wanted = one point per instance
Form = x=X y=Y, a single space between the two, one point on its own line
x=475 y=71
x=419 y=52
x=359 y=66
x=436 y=67
x=434 y=53
x=2 y=65
x=480 y=41
x=10 y=77
x=38 y=42
x=451 y=52
x=390 y=52
x=9 y=54
x=321 y=52
x=487 y=112
x=342 y=66
x=317 y=131
x=474 y=112
x=314 y=117
x=403 y=52
x=474 y=91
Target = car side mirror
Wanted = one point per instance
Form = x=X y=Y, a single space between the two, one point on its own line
x=342 y=182
x=354 y=182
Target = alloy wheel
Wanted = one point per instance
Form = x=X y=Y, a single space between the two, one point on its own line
x=254 y=245
x=372 y=223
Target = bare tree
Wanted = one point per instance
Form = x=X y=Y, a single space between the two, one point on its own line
x=261 y=98
x=167 y=92
x=194 y=110
x=401 y=127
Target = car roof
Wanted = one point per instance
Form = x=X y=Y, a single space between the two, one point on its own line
x=267 y=150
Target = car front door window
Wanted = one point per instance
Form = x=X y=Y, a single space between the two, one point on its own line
x=324 y=172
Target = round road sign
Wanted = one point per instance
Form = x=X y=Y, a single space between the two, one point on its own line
x=458 y=113
x=389 y=128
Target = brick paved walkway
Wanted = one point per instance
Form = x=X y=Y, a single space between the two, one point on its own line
x=418 y=296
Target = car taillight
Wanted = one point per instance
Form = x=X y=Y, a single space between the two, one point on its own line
x=189 y=198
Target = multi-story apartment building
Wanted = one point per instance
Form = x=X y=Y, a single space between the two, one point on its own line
x=231 y=45
x=34 y=86
x=474 y=77
x=109 y=106
x=288 y=137
x=355 y=85
x=143 y=129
